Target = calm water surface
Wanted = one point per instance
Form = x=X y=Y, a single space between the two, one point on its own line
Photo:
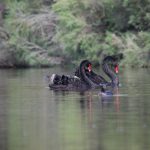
x=32 y=117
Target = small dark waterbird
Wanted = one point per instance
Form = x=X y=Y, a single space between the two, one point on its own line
x=106 y=93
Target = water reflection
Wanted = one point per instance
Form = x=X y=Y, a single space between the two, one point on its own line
x=33 y=117
x=3 y=121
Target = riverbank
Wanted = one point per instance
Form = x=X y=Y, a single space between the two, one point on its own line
x=45 y=34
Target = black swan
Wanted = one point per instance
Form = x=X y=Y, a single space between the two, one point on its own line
x=67 y=82
x=110 y=67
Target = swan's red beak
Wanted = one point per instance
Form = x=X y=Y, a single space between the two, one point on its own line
x=116 y=69
x=89 y=67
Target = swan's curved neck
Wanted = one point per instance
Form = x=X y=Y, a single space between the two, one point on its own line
x=108 y=70
x=85 y=77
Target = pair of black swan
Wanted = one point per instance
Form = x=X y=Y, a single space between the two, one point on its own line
x=109 y=66
x=85 y=78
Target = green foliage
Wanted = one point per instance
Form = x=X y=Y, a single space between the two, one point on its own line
x=30 y=33
x=18 y=32
x=119 y=15
x=70 y=27
x=90 y=29
x=139 y=14
x=136 y=49
x=76 y=36
x=144 y=43
x=85 y=29
x=34 y=4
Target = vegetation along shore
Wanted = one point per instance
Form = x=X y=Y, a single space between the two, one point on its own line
x=44 y=33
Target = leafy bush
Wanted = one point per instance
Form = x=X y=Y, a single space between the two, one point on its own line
x=77 y=37
x=81 y=30
x=90 y=29
x=120 y=15
x=31 y=34
x=136 y=49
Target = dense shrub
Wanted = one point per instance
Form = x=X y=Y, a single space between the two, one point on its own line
x=80 y=29
x=90 y=29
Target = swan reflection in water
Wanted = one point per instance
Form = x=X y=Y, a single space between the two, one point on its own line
x=88 y=103
x=111 y=97
x=103 y=103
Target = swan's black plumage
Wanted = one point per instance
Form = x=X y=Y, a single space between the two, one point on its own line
x=85 y=78
x=109 y=64
x=67 y=82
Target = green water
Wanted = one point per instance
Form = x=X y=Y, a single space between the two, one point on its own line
x=32 y=117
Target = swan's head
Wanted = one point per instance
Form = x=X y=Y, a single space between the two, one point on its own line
x=86 y=65
x=116 y=59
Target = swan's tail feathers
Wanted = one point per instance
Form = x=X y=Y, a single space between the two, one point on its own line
x=73 y=79
x=54 y=79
